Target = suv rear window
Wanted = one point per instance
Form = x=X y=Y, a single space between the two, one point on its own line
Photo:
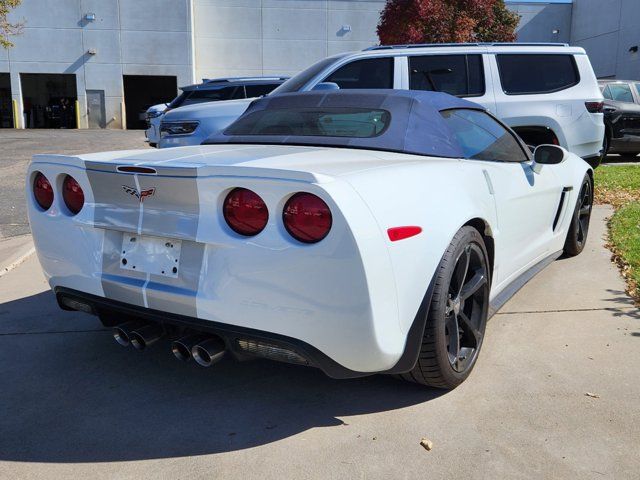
x=191 y=97
x=322 y=122
x=460 y=75
x=536 y=73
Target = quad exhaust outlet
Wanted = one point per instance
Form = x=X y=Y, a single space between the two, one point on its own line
x=204 y=349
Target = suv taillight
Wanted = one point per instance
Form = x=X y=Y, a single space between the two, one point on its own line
x=307 y=217
x=245 y=212
x=594 y=107
x=72 y=194
x=42 y=191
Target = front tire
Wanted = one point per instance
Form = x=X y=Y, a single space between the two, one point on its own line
x=457 y=314
x=579 y=228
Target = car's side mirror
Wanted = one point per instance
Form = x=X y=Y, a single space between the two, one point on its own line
x=547 y=155
x=326 y=86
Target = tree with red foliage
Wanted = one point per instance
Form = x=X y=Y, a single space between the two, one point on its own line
x=446 y=21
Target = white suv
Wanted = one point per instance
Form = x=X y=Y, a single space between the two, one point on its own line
x=547 y=93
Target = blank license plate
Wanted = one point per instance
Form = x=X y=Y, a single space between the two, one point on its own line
x=159 y=256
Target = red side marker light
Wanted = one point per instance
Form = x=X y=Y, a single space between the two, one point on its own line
x=400 y=233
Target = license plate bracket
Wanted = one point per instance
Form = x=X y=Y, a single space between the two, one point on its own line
x=147 y=254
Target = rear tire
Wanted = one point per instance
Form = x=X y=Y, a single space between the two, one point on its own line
x=457 y=314
x=579 y=228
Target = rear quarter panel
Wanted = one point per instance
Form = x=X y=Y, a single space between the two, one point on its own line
x=440 y=196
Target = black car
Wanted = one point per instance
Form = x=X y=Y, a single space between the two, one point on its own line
x=621 y=116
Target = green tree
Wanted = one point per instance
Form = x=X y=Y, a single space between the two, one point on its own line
x=6 y=27
x=446 y=21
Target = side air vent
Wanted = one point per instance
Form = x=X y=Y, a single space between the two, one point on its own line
x=565 y=190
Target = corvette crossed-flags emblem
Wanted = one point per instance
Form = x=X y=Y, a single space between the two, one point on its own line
x=139 y=194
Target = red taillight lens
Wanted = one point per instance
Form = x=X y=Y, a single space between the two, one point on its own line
x=245 y=212
x=72 y=194
x=594 y=107
x=307 y=218
x=42 y=191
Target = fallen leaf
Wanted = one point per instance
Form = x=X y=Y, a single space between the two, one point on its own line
x=426 y=443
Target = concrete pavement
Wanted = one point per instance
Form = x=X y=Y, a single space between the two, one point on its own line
x=74 y=404
x=13 y=251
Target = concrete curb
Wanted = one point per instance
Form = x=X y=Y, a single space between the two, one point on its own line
x=14 y=251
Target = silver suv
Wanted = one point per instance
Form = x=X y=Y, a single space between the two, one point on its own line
x=547 y=93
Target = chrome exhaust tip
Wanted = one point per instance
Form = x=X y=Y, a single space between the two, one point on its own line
x=122 y=332
x=208 y=352
x=146 y=336
x=181 y=348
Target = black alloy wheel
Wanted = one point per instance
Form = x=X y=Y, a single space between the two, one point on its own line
x=465 y=311
x=457 y=313
x=579 y=228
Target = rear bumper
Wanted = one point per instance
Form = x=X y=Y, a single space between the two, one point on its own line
x=232 y=334
x=625 y=144
x=339 y=295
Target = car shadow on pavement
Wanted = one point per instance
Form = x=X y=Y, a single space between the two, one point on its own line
x=77 y=396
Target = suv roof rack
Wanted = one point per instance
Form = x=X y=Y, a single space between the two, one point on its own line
x=489 y=44
x=241 y=79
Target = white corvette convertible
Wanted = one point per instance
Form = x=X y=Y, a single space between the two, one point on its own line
x=359 y=232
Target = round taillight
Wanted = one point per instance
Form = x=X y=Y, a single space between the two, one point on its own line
x=72 y=194
x=42 y=191
x=245 y=212
x=307 y=218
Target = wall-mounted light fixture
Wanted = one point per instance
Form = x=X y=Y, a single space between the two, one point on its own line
x=346 y=28
x=90 y=17
x=92 y=51
x=634 y=49
x=555 y=32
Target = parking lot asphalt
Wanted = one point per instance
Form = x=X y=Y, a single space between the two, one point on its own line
x=554 y=395
x=18 y=146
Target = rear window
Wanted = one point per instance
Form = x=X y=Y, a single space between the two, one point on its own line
x=535 y=73
x=460 y=75
x=322 y=122
x=191 y=97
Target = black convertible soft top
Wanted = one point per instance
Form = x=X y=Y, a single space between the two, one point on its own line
x=415 y=125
